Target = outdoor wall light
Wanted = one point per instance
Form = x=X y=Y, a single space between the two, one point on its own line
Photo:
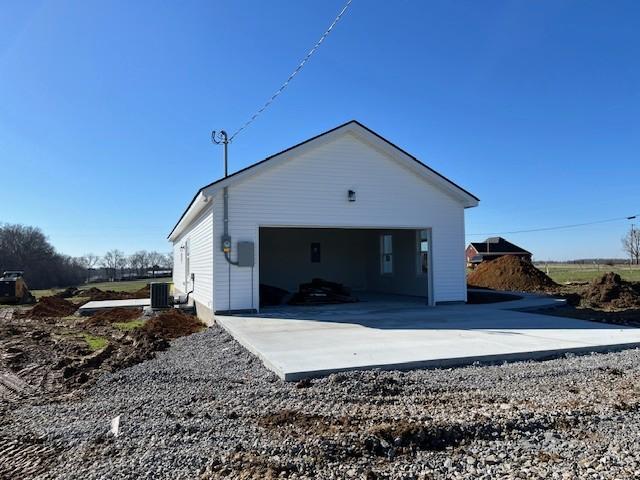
x=351 y=196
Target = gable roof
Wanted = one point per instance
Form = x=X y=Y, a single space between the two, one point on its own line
x=467 y=198
x=497 y=245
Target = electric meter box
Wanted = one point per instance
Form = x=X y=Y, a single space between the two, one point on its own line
x=246 y=254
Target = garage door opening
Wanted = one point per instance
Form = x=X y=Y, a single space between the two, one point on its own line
x=365 y=260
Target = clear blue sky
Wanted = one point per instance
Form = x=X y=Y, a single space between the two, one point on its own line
x=106 y=107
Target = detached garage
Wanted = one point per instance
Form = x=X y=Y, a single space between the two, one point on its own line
x=346 y=206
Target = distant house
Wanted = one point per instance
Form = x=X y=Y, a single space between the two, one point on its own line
x=492 y=248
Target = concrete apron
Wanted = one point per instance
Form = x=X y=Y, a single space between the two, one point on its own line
x=305 y=342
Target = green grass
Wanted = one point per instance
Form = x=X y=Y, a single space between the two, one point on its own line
x=562 y=273
x=128 y=326
x=129 y=286
x=94 y=342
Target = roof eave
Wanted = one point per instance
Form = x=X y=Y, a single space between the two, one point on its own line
x=467 y=199
x=197 y=205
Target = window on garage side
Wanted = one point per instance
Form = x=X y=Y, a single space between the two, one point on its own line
x=422 y=244
x=386 y=254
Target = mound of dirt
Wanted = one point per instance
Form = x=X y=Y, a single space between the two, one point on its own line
x=144 y=292
x=172 y=324
x=610 y=291
x=97 y=294
x=89 y=292
x=509 y=273
x=67 y=292
x=113 y=315
x=52 y=307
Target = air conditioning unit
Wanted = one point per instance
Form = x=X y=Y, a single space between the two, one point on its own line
x=160 y=297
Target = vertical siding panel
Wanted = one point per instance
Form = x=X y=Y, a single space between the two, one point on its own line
x=199 y=235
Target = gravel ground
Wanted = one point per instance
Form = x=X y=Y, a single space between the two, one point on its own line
x=207 y=409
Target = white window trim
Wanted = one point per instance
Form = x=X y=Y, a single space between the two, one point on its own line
x=419 y=240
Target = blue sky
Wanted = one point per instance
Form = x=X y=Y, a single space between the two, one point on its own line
x=106 y=107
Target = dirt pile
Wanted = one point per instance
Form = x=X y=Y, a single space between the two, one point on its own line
x=611 y=292
x=509 y=273
x=113 y=315
x=172 y=324
x=67 y=292
x=51 y=307
x=96 y=294
x=46 y=354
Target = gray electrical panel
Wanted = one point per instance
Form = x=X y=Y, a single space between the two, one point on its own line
x=245 y=254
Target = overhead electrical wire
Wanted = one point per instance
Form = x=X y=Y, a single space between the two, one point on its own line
x=558 y=227
x=295 y=72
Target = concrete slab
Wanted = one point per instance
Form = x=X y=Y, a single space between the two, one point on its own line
x=302 y=342
x=92 y=307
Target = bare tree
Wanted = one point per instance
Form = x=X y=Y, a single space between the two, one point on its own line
x=122 y=262
x=167 y=261
x=155 y=259
x=138 y=262
x=112 y=261
x=631 y=245
x=146 y=263
x=89 y=261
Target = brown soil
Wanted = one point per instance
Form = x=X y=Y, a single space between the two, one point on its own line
x=607 y=299
x=96 y=294
x=67 y=293
x=510 y=273
x=612 y=293
x=172 y=324
x=304 y=422
x=45 y=355
x=51 y=307
x=113 y=315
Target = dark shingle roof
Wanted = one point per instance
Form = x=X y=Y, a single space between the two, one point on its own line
x=497 y=245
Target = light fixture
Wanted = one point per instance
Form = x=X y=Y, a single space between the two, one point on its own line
x=351 y=196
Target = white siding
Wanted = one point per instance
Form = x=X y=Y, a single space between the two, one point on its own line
x=200 y=237
x=311 y=190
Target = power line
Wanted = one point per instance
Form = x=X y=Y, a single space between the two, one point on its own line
x=295 y=72
x=558 y=227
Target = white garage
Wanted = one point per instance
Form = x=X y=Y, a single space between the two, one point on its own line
x=346 y=206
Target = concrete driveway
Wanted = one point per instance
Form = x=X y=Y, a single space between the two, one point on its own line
x=395 y=332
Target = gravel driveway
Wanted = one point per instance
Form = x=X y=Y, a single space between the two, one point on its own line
x=207 y=409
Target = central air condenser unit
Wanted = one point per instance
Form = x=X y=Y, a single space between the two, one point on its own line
x=160 y=297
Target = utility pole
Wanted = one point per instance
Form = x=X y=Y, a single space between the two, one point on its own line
x=218 y=138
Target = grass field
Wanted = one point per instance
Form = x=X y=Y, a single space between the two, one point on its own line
x=130 y=286
x=562 y=272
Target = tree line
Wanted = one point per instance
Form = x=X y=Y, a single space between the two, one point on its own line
x=27 y=249
x=117 y=265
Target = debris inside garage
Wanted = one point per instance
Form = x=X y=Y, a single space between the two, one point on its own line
x=322 y=292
